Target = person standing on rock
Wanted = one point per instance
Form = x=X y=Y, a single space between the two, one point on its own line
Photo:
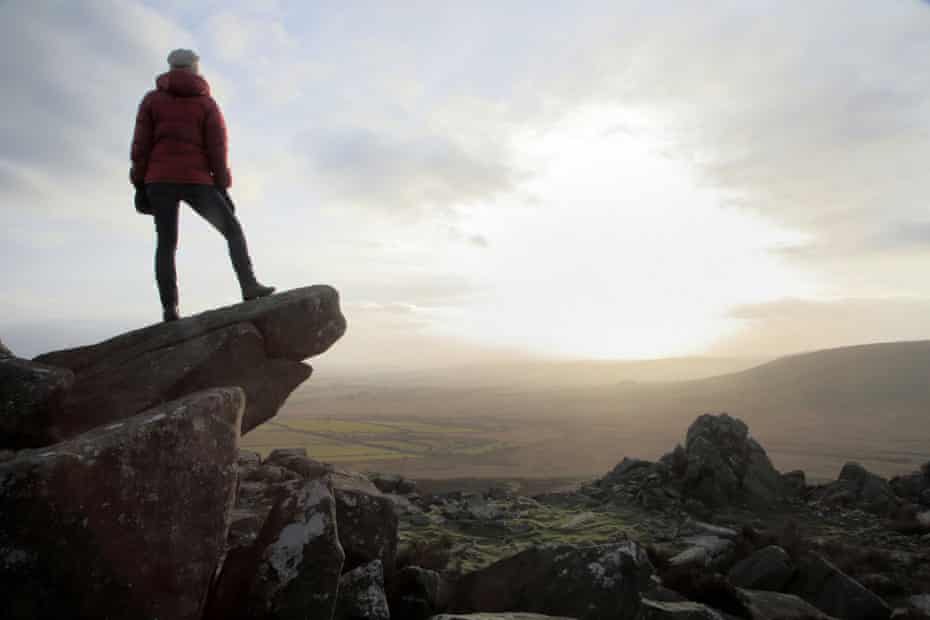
x=179 y=154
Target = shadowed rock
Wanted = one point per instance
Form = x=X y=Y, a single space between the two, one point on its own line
x=858 y=487
x=291 y=569
x=417 y=593
x=126 y=521
x=763 y=605
x=725 y=465
x=31 y=396
x=257 y=345
x=657 y=610
x=367 y=521
x=835 y=593
x=589 y=583
x=500 y=616
x=4 y=351
x=769 y=568
x=361 y=594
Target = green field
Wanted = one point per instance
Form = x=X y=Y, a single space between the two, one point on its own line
x=358 y=441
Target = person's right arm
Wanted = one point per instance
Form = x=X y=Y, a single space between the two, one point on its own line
x=142 y=139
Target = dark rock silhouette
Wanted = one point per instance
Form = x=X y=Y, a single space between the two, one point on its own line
x=725 y=465
x=126 y=521
x=31 y=396
x=829 y=589
x=766 y=605
x=4 y=351
x=367 y=522
x=915 y=487
x=856 y=486
x=417 y=593
x=769 y=568
x=719 y=465
x=257 y=345
x=361 y=594
x=589 y=583
x=299 y=557
x=498 y=616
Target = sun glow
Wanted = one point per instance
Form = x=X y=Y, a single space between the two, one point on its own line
x=615 y=248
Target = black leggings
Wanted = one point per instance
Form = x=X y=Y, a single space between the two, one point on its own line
x=207 y=201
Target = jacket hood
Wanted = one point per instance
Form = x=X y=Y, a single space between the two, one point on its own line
x=182 y=83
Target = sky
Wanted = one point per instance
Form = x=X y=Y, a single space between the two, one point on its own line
x=588 y=180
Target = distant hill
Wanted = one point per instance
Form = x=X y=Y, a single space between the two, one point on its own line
x=812 y=411
x=875 y=397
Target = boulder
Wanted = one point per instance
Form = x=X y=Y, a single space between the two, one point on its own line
x=249 y=458
x=257 y=345
x=725 y=465
x=769 y=568
x=914 y=487
x=857 y=487
x=417 y=593
x=624 y=467
x=297 y=461
x=706 y=550
x=31 y=396
x=392 y=483
x=4 y=351
x=920 y=602
x=292 y=568
x=361 y=594
x=657 y=610
x=125 y=521
x=498 y=616
x=830 y=590
x=367 y=522
x=764 y=605
x=590 y=583
x=795 y=483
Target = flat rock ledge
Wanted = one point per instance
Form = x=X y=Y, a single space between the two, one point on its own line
x=257 y=345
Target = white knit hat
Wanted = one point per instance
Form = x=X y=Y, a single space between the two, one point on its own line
x=181 y=58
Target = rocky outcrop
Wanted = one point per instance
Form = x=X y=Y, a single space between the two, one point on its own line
x=500 y=616
x=724 y=465
x=720 y=465
x=589 y=583
x=660 y=610
x=765 y=605
x=125 y=521
x=367 y=521
x=769 y=568
x=361 y=594
x=291 y=568
x=257 y=345
x=31 y=397
x=829 y=589
x=4 y=351
x=417 y=593
x=857 y=487
x=914 y=487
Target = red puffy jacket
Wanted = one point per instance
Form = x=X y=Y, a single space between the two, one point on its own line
x=180 y=134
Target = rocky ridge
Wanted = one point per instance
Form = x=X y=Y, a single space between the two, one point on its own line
x=124 y=494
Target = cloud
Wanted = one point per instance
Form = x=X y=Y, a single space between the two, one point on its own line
x=68 y=140
x=473 y=239
x=372 y=168
x=814 y=115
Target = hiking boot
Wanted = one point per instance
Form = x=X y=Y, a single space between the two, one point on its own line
x=254 y=290
x=171 y=314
